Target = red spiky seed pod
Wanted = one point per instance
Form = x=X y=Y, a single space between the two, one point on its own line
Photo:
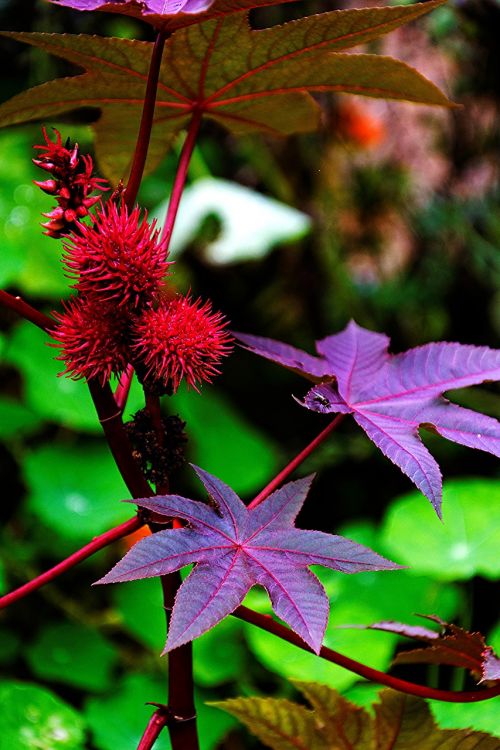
x=180 y=339
x=72 y=183
x=92 y=340
x=118 y=257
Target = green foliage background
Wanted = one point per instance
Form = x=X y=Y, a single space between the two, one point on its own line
x=416 y=258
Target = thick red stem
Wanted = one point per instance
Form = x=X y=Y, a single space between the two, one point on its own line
x=110 y=417
x=295 y=462
x=90 y=549
x=148 y=110
x=181 y=174
x=26 y=311
x=182 y=726
x=410 y=688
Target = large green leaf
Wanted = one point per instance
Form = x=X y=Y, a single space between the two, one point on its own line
x=29 y=259
x=76 y=489
x=118 y=720
x=33 y=718
x=483 y=716
x=464 y=545
x=16 y=419
x=401 y=722
x=260 y=83
x=73 y=654
x=355 y=600
x=57 y=399
x=224 y=442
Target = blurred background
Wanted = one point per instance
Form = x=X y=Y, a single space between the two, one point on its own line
x=388 y=215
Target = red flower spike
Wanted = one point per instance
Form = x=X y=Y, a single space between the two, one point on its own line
x=181 y=339
x=72 y=182
x=118 y=258
x=92 y=340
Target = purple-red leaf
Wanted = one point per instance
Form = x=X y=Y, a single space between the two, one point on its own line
x=234 y=548
x=391 y=396
x=244 y=79
x=168 y=14
x=452 y=645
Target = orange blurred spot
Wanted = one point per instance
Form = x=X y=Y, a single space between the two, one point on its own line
x=131 y=539
x=359 y=126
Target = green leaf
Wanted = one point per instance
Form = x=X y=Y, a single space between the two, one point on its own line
x=33 y=718
x=223 y=442
x=76 y=489
x=481 y=716
x=263 y=85
x=219 y=655
x=9 y=645
x=464 y=545
x=401 y=722
x=132 y=600
x=54 y=398
x=73 y=654
x=118 y=720
x=30 y=261
x=16 y=419
x=354 y=600
x=252 y=223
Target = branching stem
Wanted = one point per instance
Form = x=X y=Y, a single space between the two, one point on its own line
x=374 y=675
x=295 y=462
x=157 y=722
x=145 y=128
x=181 y=174
x=90 y=549
x=26 y=311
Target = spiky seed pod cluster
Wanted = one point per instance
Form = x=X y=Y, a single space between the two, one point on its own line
x=71 y=183
x=119 y=258
x=180 y=339
x=120 y=315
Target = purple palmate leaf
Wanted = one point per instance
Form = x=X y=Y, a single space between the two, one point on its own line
x=234 y=548
x=144 y=7
x=391 y=396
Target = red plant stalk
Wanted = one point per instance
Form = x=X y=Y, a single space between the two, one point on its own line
x=98 y=543
x=157 y=722
x=144 y=136
x=123 y=388
x=181 y=174
x=295 y=462
x=265 y=622
x=26 y=311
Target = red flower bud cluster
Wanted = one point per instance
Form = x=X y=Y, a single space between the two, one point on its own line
x=120 y=314
x=71 y=182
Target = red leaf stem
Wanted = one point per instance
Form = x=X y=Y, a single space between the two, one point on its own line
x=123 y=388
x=26 y=311
x=181 y=174
x=265 y=622
x=144 y=135
x=295 y=462
x=98 y=543
x=155 y=725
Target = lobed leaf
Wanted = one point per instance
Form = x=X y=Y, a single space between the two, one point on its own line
x=392 y=396
x=235 y=547
x=401 y=722
x=453 y=645
x=262 y=83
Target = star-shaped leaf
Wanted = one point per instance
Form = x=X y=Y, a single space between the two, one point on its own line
x=246 y=80
x=400 y=722
x=391 y=396
x=234 y=548
x=452 y=645
x=168 y=14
